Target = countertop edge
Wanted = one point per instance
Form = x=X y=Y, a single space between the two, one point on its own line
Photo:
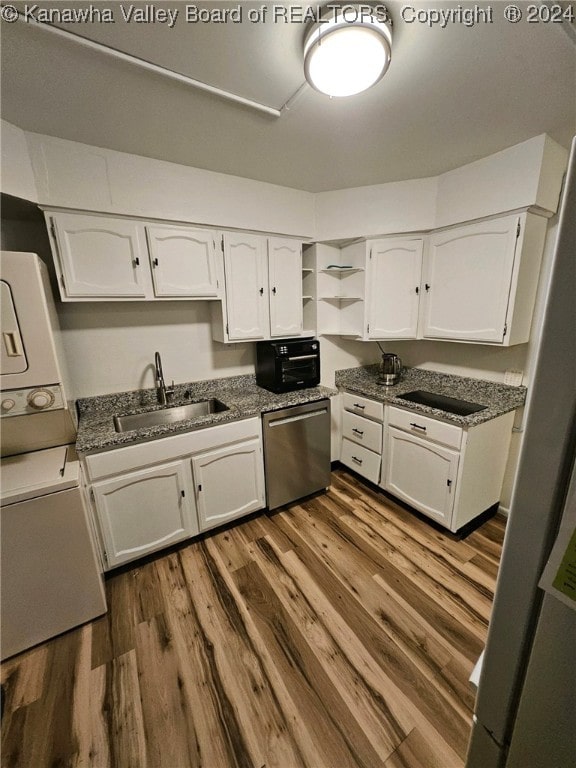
x=96 y=433
x=498 y=398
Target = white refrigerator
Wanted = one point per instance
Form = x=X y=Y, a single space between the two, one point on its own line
x=526 y=703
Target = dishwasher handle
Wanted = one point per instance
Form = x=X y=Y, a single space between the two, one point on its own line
x=300 y=417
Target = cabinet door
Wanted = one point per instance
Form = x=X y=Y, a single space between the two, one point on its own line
x=421 y=473
x=183 y=261
x=468 y=280
x=246 y=286
x=285 y=282
x=101 y=257
x=144 y=511
x=229 y=483
x=393 y=280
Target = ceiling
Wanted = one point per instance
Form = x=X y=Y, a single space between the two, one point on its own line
x=451 y=95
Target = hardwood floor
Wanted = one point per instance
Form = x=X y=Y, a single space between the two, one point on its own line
x=337 y=632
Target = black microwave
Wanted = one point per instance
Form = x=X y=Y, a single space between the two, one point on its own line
x=283 y=365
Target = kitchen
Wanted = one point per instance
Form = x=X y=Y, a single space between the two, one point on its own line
x=109 y=345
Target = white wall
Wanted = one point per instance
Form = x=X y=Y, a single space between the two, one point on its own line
x=139 y=186
x=403 y=206
x=110 y=347
x=15 y=167
x=528 y=174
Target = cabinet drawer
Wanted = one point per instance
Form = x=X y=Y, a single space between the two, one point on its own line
x=431 y=429
x=363 y=406
x=361 y=460
x=362 y=431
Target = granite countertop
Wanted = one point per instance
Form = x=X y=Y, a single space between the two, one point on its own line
x=499 y=398
x=241 y=394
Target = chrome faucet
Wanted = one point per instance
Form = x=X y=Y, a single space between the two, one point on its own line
x=164 y=393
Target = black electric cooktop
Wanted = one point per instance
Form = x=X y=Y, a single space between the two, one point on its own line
x=448 y=404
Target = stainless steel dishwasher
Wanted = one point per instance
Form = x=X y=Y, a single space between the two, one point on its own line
x=296 y=452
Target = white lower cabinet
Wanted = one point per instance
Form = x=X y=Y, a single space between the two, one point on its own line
x=150 y=495
x=422 y=473
x=361 y=460
x=449 y=473
x=144 y=511
x=229 y=483
x=362 y=435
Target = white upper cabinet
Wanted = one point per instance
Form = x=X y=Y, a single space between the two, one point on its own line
x=480 y=280
x=285 y=286
x=393 y=288
x=474 y=283
x=263 y=289
x=246 y=270
x=183 y=261
x=100 y=257
x=103 y=258
x=467 y=281
x=369 y=290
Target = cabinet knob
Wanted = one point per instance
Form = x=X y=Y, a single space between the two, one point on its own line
x=136 y=262
x=8 y=404
x=427 y=286
x=261 y=291
x=274 y=291
x=417 y=426
x=155 y=262
x=417 y=290
x=357 y=460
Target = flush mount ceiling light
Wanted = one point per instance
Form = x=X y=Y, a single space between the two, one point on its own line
x=348 y=49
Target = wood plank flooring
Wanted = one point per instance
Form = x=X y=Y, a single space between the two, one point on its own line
x=339 y=632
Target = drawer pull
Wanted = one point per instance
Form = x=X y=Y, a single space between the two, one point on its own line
x=362 y=407
x=417 y=426
x=358 y=431
x=356 y=459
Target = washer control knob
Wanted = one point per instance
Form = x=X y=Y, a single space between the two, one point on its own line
x=39 y=399
x=8 y=404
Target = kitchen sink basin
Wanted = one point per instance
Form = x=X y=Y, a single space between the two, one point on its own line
x=170 y=415
x=448 y=404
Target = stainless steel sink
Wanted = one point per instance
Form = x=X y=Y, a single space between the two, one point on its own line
x=171 y=415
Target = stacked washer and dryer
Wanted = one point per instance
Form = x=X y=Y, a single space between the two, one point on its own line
x=51 y=579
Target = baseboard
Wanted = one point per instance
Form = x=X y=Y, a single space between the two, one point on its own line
x=503 y=510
